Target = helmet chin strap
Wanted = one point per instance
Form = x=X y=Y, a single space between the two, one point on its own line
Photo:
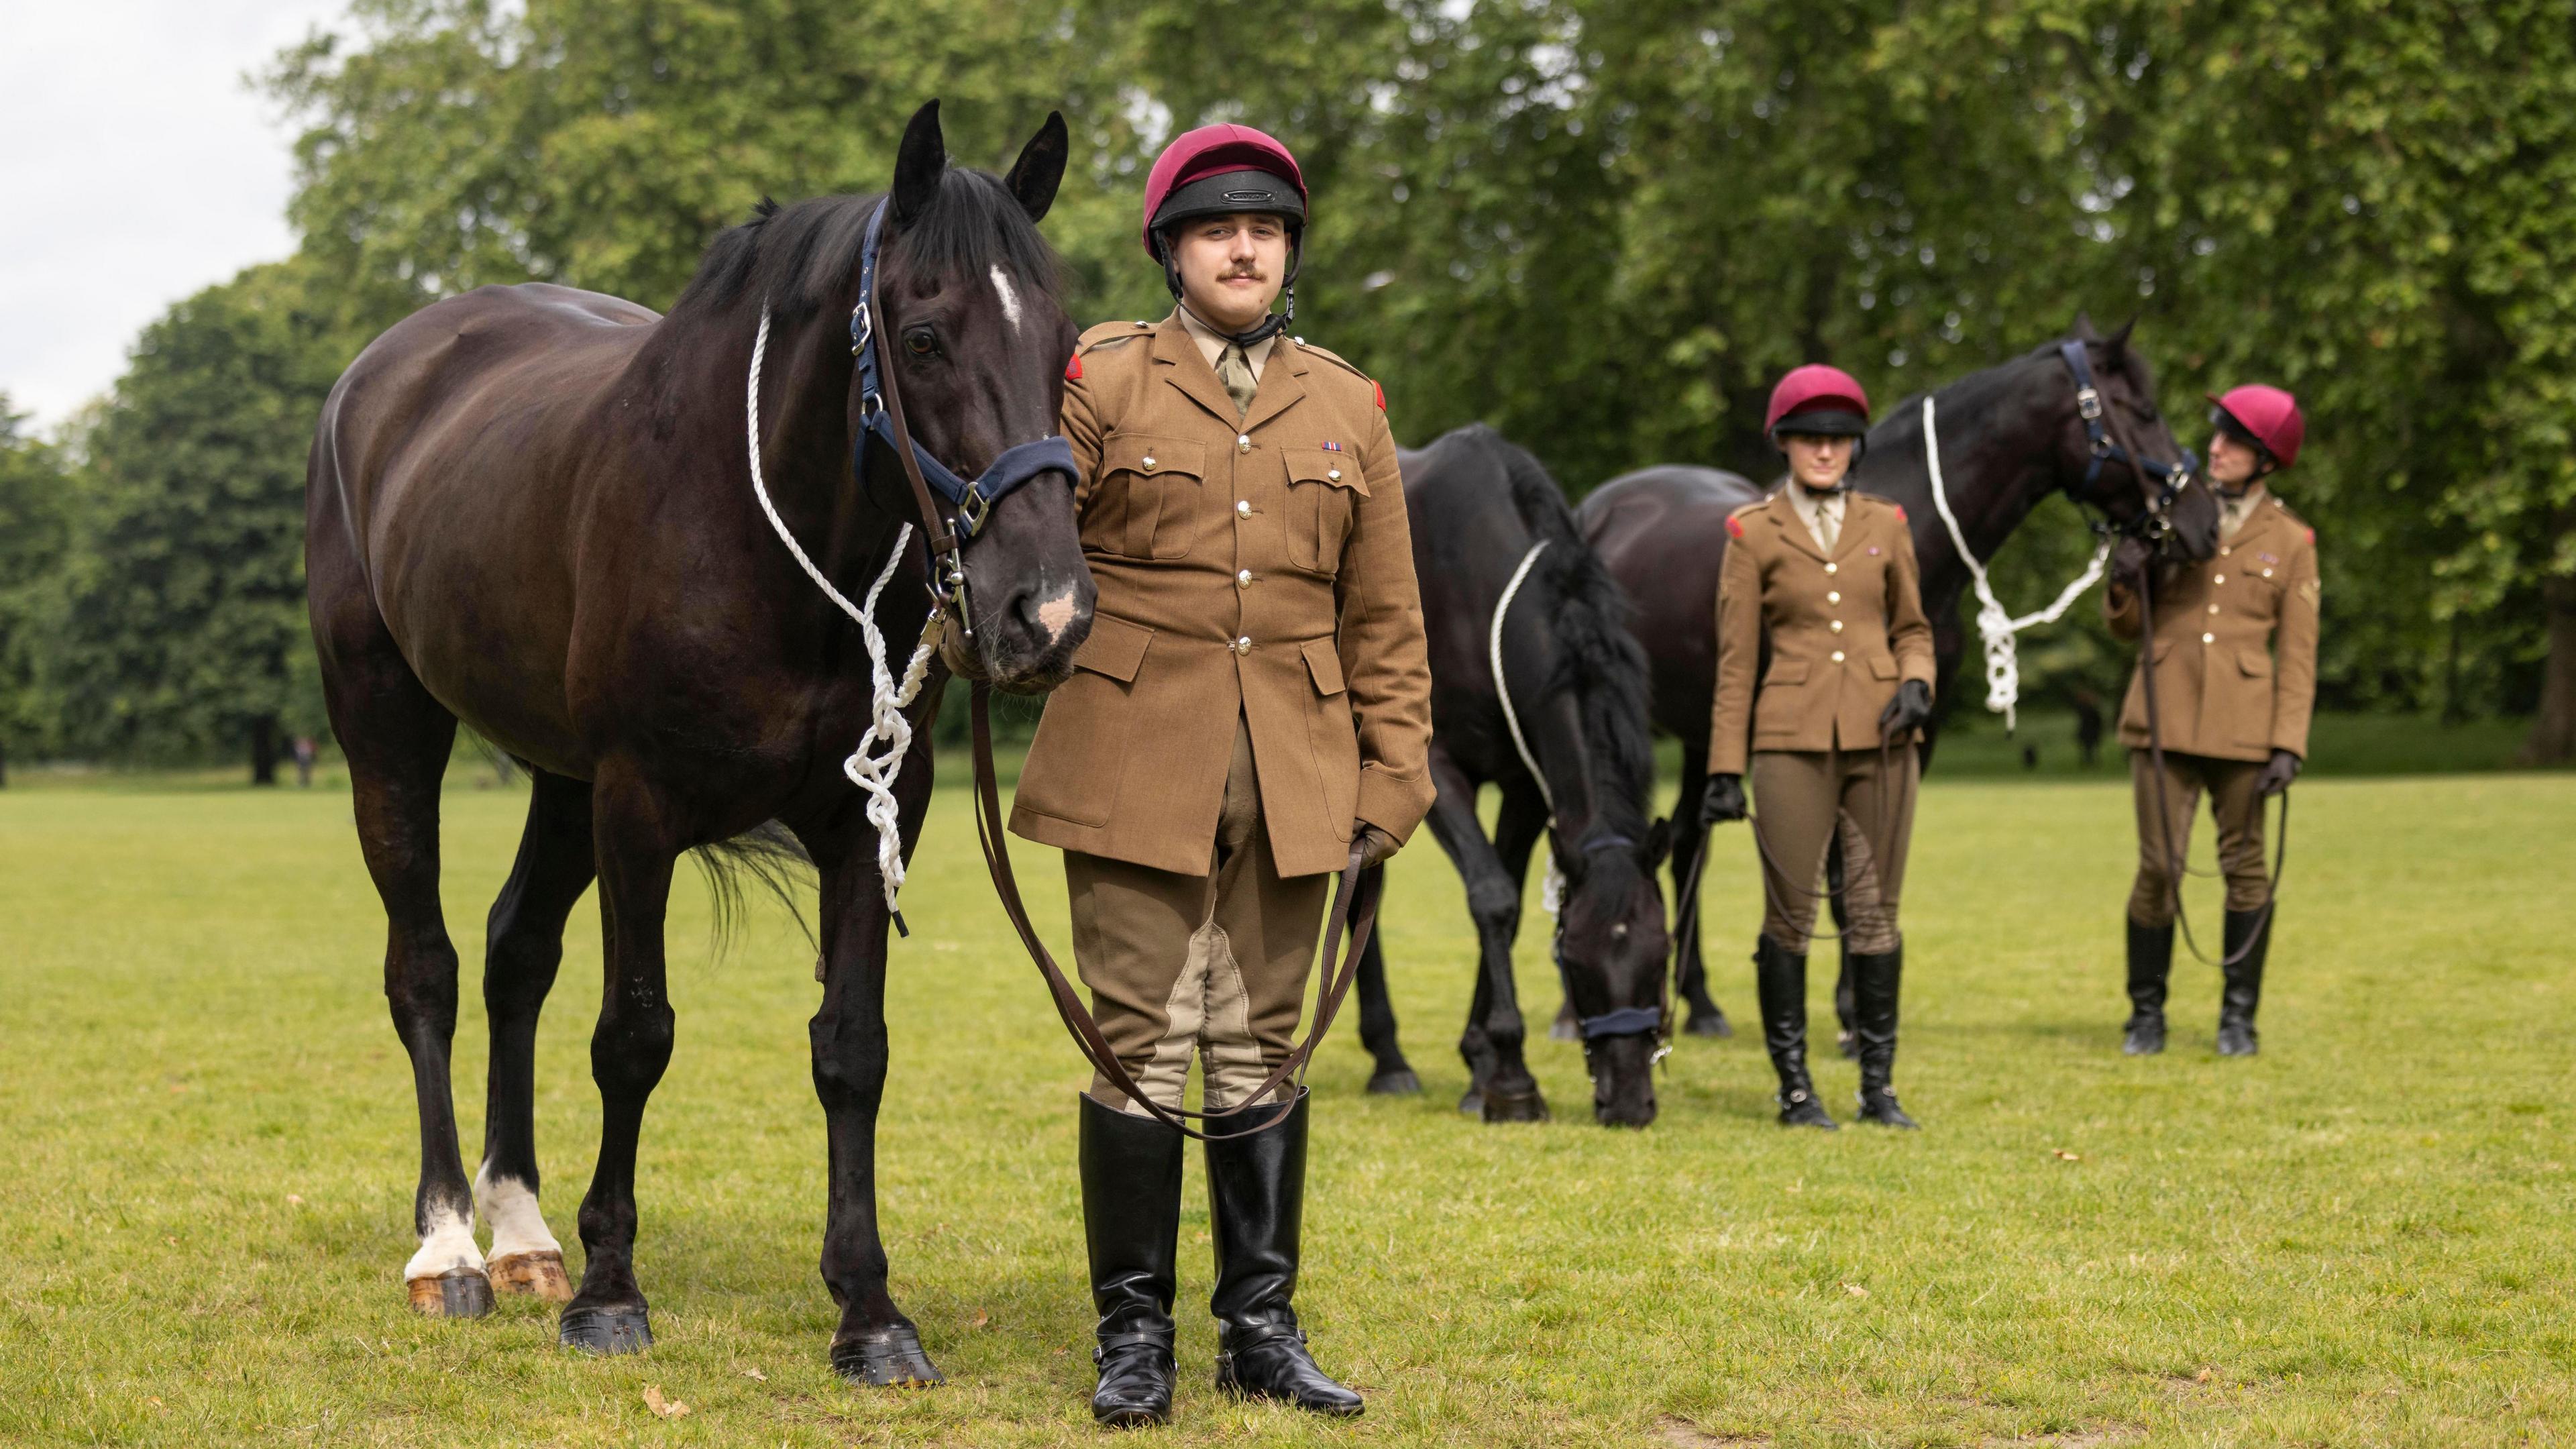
x=1271 y=324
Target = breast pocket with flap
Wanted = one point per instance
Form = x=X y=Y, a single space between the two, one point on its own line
x=1323 y=486
x=1141 y=506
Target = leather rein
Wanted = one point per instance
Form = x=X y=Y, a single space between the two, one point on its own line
x=1355 y=895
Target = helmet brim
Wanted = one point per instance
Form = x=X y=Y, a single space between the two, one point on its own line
x=1821 y=423
x=1229 y=193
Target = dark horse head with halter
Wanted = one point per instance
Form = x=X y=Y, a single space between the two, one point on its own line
x=961 y=504
x=2102 y=431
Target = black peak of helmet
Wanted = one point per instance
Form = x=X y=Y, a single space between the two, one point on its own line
x=1821 y=423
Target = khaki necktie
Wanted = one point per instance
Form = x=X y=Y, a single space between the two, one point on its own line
x=1235 y=371
x=1826 y=523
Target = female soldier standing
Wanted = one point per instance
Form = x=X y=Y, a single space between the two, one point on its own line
x=1825 y=579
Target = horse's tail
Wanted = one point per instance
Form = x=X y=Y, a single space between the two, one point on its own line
x=766 y=858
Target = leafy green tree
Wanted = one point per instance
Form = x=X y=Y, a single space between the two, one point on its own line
x=183 y=633
x=35 y=536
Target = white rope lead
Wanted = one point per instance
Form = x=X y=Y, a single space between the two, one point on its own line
x=1995 y=627
x=1551 y=891
x=872 y=772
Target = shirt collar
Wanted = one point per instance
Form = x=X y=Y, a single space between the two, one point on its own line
x=1212 y=344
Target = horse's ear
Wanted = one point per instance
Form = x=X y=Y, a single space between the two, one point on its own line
x=919 y=164
x=2083 y=331
x=1035 y=175
x=2118 y=342
x=1659 y=843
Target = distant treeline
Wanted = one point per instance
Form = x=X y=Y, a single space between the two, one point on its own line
x=1603 y=227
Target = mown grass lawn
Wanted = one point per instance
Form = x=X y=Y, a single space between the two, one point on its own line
x=2361 y=1237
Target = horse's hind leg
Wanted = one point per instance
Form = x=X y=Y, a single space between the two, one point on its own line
x=1844 y=1038
x=397 y=740
x=638 y=844
x=1393 y=1075
x=523 y=946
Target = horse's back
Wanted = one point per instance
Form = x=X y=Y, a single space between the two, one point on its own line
x=1662 y=534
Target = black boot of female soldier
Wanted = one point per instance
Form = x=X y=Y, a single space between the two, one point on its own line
x=2150 y=961
x=1131 y=1218
x=1256 y=1198
x=1780 y=982
x=2249 y=939
x=1875 y=976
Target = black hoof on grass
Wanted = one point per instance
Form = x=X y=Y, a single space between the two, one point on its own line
x=605 y=1330
x=1712 y=1022
x=888 y=1358
x=1398 y=1083
x=1515 y=1106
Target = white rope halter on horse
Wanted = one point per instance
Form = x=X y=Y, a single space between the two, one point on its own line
x=887 y=700
x=1996 y=627
x=1551 y=891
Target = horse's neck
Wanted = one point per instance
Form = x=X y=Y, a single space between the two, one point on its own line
x=1553 y=722
x=1998 y=461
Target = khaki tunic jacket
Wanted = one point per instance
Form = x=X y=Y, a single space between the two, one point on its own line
x=1256 y=564
x=2235 y=646
x=1844 y=631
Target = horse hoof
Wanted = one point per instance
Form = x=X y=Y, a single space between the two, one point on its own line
x=456 y=1293
x=1526 y=1106
x=605 y=1330
x=1398 y=1083
x=539 y=1274
x=1714 y=1023
x=887 y=1358
x=1472 y=1103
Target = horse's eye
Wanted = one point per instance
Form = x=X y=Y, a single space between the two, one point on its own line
x=921 y=341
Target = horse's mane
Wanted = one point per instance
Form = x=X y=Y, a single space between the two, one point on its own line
x=1597 y=657
x=804 y=257
x=1902 y=424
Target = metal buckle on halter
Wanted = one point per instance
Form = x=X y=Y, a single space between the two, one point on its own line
x=864 y=327
x=2088 y=404
x=974 y=508
x=2103 y=447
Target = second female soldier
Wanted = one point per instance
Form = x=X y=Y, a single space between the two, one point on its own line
x=1823 y=580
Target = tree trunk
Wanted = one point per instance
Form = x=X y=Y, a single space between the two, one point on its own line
x=263 y=750
x=2553 y=732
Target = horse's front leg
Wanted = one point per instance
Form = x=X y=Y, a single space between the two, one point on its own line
x=1502 y=1089
x=1392 y=1075
x=637 y=841
x=874 y=1343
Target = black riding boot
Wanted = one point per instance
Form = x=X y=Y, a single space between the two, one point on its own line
x=1131 y=1217
x=1780 y=981
x=1256 y=1195
x=1875 y=975
x=2251 y=933
x=2150 y=961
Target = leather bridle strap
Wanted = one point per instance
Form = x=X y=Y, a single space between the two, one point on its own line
x=1355 y=900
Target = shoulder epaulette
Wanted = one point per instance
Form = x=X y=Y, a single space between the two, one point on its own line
x=1110 y=334
x=1328 y=355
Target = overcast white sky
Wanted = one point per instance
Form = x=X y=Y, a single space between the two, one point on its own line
x=135 y=168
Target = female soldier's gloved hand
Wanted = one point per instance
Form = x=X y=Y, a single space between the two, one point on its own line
x=1371 y=847
x=1722 y=801
x=1910 y=710
x=2277 y=775
x=2130 y=561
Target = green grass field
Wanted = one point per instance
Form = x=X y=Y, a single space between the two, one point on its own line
x=2361 y=1237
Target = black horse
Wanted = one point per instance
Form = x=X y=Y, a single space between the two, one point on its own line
x=532 y=509
x=1577 y=679
x=2010 y=436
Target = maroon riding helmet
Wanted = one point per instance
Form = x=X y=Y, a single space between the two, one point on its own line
x=2267 y=417
x=1818 y=401
x=1217 y=171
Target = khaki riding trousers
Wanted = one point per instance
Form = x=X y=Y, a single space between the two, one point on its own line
x=1806 y=799
x=2238 y=807
x=1209 y=965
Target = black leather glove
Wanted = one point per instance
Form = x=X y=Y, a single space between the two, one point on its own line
x=2130 y=561
x=1372 y=846
x=1722 y=801
x=1910 y=710
x=2277 y=775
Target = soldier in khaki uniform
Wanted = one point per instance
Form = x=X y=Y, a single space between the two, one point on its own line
x=2235 y=654
x=1824 y=579
x=1251 y=713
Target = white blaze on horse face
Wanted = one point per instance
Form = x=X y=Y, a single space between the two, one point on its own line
x=510 y=1210
x=446 y=1247
x=1056 y=614
x=1010 y=298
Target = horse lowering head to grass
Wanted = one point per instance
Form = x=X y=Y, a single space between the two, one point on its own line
x=533 y=509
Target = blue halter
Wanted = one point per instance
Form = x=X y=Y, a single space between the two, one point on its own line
x=972 y=500
x=2106 y=449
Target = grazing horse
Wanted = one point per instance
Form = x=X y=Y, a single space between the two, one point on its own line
x=2010 y=436
x=533 y=509
x=1577 y=687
